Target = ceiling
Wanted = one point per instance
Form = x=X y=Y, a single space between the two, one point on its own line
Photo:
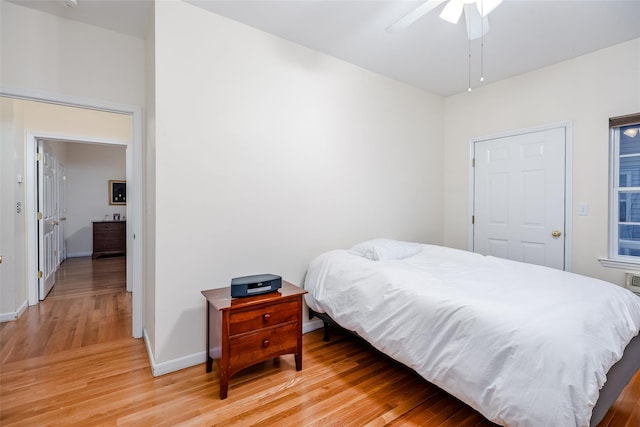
x=431 y=54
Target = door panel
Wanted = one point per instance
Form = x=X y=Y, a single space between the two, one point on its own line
x=497 y=247
x=498 y=187
x=519 y=200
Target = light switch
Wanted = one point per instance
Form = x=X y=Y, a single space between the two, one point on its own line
x=583 y=209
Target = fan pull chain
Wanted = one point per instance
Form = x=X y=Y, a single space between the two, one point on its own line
x=469 y=32
x=481 y=41
x=482 y=61
x=469 y=90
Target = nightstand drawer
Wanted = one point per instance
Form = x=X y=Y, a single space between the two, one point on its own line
x=109 y=227
x=253 y=348
x=253 y=319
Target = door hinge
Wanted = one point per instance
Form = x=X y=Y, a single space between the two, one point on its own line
x=39 y=215
x=473 y=219
x=40 y=274
x=473 y=162
x=38 y=157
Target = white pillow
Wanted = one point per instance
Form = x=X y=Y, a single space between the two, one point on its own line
x=385 y=249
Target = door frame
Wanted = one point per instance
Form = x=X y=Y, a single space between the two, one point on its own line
x=32 y=194
x=134 y=174
x=568 y=182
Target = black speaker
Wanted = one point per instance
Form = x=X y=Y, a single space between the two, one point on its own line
x=247 y=286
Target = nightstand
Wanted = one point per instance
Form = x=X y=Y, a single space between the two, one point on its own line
x=253 y=329
x=109 y=238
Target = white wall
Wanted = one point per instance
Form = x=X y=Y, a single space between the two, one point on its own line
x=585 y=91
x=13 y=297
x=268 y=154
x=51 y=55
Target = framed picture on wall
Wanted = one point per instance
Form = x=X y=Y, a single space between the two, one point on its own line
x=117 y=192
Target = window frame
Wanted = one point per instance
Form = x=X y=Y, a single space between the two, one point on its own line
x=614 y=258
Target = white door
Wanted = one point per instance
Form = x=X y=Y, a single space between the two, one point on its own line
x=519 y=197
x=47 y=221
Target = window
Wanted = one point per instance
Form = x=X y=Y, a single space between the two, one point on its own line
x=625 y=189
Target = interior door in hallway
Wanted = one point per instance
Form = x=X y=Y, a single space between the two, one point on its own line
x=519 y=197
x=47 y=219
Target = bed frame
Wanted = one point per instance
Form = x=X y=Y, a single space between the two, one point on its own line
x=327 y=321
x=617 y=378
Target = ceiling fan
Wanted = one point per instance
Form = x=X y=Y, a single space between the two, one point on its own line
x=476 y=17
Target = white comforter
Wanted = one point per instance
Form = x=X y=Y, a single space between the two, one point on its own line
x=524 y=345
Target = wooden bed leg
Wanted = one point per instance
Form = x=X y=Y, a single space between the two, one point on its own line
x=313 y=314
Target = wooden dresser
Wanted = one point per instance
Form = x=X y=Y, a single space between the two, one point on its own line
x=252 y=329
x=109 y=238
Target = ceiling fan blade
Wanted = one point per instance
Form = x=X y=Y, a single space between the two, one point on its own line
x=452 y=11
x=414 y=15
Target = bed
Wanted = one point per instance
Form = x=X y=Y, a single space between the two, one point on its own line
x=524 y=345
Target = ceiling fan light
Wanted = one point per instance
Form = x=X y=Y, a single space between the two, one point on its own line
x=485 y=7
x=452 y=11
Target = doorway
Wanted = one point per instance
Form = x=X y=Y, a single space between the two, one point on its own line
x=73 y=189
x=134 y=173
x=521 y=196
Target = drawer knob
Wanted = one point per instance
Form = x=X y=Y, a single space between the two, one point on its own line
x=266 y=317
x=266 y=343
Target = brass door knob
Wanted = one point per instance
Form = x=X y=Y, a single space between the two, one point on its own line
x=556 y=233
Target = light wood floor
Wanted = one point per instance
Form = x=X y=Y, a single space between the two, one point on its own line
x=70 y=360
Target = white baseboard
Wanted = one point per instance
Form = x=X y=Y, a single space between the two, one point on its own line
x=311 y=325
x=78 y=254
x=162 y=368
x=147 y=344
x=23 y=307
x=8 y=317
